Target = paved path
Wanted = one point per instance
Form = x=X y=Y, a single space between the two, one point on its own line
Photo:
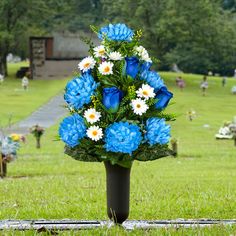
x=46 y=116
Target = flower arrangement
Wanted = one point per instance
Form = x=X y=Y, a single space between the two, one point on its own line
x=116 y=103
x=9 y=146
x=37 y=131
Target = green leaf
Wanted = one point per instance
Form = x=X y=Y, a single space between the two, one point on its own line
x=82 y=153
x=150 y=153
x=126 y=164
x=94 y=29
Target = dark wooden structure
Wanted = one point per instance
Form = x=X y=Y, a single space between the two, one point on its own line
x=57 y=56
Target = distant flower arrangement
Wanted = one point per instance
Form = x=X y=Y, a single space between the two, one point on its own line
x=37 y=131
x=9 y=146
x=116 y=103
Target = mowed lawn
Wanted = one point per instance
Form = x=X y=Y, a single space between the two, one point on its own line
x=16 y=104
x=199 y=183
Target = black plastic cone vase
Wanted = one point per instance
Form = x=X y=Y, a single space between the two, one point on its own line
x=118 y=191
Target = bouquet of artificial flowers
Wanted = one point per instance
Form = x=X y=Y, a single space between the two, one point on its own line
x=37 y=131
x=116 y=103
x=9 y=146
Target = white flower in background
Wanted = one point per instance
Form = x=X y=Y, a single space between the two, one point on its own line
x=115 y=56
x=94 y=132
x=100 y=51
x=1 y=78
x=86 y=64
x=106 y=68
x=146 y=92
x=92 y=115
x=142 y=53
x=139 y=106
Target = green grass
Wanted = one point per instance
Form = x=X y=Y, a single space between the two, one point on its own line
x=16 y=103
x=200 y=183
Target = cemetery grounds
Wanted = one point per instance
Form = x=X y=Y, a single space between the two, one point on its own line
x=200 y=183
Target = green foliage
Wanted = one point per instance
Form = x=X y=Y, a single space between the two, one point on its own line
x=85 y=151
x=196 y=35
x=150 y=153
x=19 y=18
x=88 y=152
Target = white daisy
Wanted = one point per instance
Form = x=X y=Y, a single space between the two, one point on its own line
x=115 y=56
x=100 y=51
x=106 y=68
x=94 y=132
x=92 y=115
x=86 y=64
x=145 y=57
x=146 y=92
x=139 y=49
x=142 y=52
x=139 y=106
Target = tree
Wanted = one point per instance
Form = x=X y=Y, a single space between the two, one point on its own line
x=197 y=35
x=16 y=19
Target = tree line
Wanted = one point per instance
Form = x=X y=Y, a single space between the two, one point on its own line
x=199 y=36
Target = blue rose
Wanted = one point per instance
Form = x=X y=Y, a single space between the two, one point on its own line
x=146 y=66
x=112 y=98
x=157 y=131
x=79 y=91
x=132 y=66
x=116 y=32
x=152 y=78
x=164 y=97
x=72 y=129
x=122 y=137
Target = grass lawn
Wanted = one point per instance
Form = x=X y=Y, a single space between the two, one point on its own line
x=16 y=103
x=199 y=183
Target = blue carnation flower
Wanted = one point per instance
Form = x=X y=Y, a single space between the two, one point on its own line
x=122 y=137
x=152 y=78
x=116 y=32
x=79 y=90
x=72 y=129
x=157 y=131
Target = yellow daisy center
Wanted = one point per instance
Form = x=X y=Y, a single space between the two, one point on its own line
x=102 y=51
x=95 y=132
x=107 y=69
x=145 y=93
x=91 y=116
x=86 y=65
x=138 y=105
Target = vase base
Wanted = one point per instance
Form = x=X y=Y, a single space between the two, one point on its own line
x=118 y=190
x=118 y=218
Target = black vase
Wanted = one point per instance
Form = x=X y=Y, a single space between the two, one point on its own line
x=118 y=191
